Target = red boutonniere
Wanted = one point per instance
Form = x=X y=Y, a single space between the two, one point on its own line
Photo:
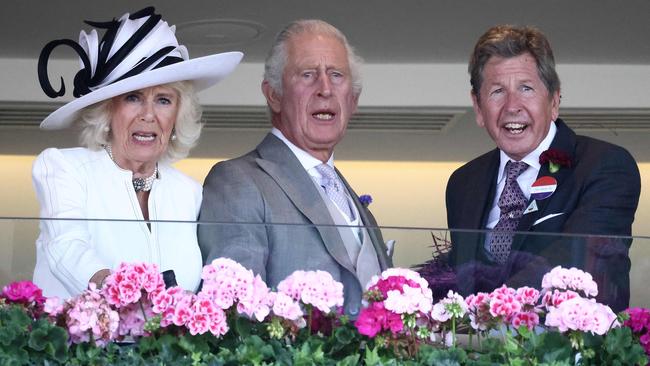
x=555 y=159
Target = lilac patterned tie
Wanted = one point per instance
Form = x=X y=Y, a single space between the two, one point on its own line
x=334 y=188
x=512 y=203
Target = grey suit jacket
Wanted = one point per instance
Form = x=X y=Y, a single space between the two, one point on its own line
x=267 y=214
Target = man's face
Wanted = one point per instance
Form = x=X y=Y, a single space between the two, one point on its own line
x=514 y=104
x=317 y=99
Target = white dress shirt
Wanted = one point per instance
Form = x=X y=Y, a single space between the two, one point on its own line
x=525 y=180
x=310 y=163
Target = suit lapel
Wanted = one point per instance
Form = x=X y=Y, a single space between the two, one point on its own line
x=277 y=160
x=482 y=194
x=477 y=203
x=565 y=140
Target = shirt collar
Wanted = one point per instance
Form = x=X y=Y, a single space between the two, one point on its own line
x=532 y=159
x=307 y=161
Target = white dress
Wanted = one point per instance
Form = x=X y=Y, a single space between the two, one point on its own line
x=82 y=184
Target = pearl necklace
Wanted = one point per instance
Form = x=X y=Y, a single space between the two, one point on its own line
x=139 y=184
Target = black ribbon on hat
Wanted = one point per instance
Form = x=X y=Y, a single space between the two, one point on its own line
x=83 y=80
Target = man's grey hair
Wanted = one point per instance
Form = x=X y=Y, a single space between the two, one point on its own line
x=277 y=57
x=95 y=122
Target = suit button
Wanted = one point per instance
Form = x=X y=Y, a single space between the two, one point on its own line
x=354 y=310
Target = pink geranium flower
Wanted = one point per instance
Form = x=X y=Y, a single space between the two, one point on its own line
x=396 y=298
x=286 y=307
x=570 y=279
x=228 y=283
x=504 y=303
x=527 y=296
x=582 y=314
x=555 y=297
x=478 y=307
x=529 y=319
x=89 y=316
x=315 y=288
x=452 y=306
x=128 y=282
x=23 y=292
x=375 y=318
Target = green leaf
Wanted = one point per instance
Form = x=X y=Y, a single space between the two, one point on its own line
x=50 y=339
x=242 y=326
x=14 y=357
x=620 y=347
x=554 y=347
x=351 y=360
x=8 y=334
x=434 y=356
x=510 y=344
x=371 y=357
x=344 y=335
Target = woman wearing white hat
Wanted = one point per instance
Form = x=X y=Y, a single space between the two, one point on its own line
x=138 y=112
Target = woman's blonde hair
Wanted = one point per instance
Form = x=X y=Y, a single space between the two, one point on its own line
x=95 y=122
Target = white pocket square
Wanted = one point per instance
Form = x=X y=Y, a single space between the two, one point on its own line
x=542 y=219
x=390 y=246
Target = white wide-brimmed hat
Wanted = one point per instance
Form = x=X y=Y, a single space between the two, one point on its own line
x=137 y=51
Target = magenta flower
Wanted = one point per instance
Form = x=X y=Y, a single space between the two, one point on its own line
x=639 y=319
x=23 y=292
x=375 y=318
x=369 y=322
x=639 y=322
x=395 y=295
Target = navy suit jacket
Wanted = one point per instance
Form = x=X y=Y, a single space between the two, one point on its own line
x=598 y=194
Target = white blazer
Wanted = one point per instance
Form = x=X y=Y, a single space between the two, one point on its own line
x=82 y=184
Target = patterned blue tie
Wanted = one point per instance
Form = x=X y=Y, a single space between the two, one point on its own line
x=334 y=189
x=512 y=203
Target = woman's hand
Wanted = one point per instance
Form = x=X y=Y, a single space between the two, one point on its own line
x=99 y=277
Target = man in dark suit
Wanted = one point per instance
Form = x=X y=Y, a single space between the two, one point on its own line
x=579 y=186
x=289 y=207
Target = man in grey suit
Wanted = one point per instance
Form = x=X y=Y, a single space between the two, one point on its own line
x=283 y=207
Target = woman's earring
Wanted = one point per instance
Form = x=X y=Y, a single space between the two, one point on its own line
x=107 y=129
x=174 y=135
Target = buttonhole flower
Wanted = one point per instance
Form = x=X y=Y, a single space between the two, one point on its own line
x=555 y=159
x=365 y=200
